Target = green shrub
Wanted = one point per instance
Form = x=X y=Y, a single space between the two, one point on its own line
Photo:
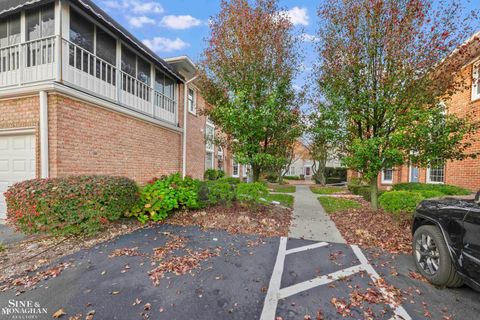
x=220 y=192
x=231 y=180
x=271 y=177
x=443 y=188
x=69 y=205
x=430 y=193
x=400 y=202
x=164 y=195
x=212 y=174
x=251 y=192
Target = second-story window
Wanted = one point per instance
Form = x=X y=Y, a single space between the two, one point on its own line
x=40 y=22
x=129 y=66
x=106 y=50
x=82 y=35
x=191 y=100
x=476 y=81
x=9 y=35
x=10 y=31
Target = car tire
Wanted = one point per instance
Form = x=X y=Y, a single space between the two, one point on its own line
x=446 y=273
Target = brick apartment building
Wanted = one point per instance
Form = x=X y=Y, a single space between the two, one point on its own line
x=464 y=103
x=79 y=94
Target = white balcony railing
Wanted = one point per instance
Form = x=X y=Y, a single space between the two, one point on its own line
x=36 y=61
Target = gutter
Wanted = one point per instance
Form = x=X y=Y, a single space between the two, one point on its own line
x=184 y=138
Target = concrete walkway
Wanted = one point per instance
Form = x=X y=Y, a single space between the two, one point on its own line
x=310 y=221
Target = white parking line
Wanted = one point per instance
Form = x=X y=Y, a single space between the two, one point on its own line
x=271 y=300
x=309 y=247
x=275 y=293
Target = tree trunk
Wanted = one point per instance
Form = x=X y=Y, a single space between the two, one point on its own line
x=374 y=193
x=322 y=164
x=280 y=176
x=256 y=173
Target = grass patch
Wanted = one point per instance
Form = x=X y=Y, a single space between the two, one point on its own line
x=285 y=200
x=333 y=204
x=325 y=190
x=284 y=188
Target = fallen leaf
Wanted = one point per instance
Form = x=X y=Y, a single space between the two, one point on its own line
x=59 y=313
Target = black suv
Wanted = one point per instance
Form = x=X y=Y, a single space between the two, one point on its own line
x=446 y=241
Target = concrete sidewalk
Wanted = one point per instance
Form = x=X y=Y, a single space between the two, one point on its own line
x=310 y=221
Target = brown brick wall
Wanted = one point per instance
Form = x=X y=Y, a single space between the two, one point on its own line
x=196 y=141
x=22 y=113
x=85 y=139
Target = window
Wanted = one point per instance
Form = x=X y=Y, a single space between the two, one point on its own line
x=235 y=168
x=476 y=81
x=10 y=35
x=40 y=22
x=244 y=171
x=209 y=163
x=291 y=171
x=191 y=101
x=166 y=87
x=106 y=49
x=143 y=71
x=82 y=35
x=387 y=175
x=209 y=137
x=129 y=67
x=436 y=173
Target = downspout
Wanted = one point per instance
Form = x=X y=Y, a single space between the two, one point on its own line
x=44 y=171
x=184 y=140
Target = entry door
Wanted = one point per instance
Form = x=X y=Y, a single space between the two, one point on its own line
x=471 y=243
x=413 y=174
x=17 y=163
x=307 y=171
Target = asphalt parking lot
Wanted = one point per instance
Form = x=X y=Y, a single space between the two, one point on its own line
x=172 y=272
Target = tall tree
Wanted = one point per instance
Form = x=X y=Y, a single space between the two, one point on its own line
x=382 y=68
x=246 y=75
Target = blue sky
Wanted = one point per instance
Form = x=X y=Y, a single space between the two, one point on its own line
x=179 y=27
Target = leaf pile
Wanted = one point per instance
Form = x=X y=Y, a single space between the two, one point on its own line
x=181 y=265
x=269 y=221
x=374 y=229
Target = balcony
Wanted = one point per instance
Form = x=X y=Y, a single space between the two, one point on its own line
x=44 y=60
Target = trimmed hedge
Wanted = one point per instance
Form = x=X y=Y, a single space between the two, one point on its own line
x=217 y=192
x=403 y=202
x=292 y=178
x=69 y=205
x=443 y=188
x=164 y=195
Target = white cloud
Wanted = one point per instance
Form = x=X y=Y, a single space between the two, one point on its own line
x=137 y=7
x=298 y=16
x=161 y=44
x=180 y=22
x=147 y=7
x=138 y=22
x=309 y=37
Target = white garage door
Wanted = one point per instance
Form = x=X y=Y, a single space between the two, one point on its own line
x=17 y=163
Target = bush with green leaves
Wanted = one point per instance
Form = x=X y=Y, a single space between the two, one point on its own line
x=212 y=174
x=220 y=192
x=251 y=192
x=291 y=178
x=400 y=203
x=69 y=205
x=231 y=180
x=164 y=195
x=443 y=188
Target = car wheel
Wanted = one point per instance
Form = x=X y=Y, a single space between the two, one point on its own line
x=433 y=259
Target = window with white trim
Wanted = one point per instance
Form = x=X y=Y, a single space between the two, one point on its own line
x=476 y=81
x=387 y=175
x=436 y=173
x=9 y=31
x=209 y=160
x=220 y=158
x=40 y=22
x=235 y=168
x=209 y=137
x=191 y=101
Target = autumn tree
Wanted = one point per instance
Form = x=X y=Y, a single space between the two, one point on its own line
x=246 y=76
x=384 y=65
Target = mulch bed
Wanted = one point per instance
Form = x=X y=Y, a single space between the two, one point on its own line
x=374 y=229
x=267 y=221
